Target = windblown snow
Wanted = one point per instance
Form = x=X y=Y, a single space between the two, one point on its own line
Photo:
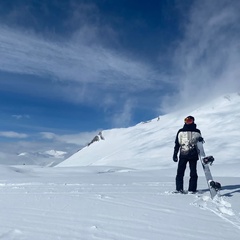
x=120 y=187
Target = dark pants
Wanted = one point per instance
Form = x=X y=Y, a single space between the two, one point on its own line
x=193 y=174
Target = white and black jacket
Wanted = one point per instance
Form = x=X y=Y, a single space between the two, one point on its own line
x=186 y=141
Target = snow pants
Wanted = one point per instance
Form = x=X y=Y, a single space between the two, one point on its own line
x=193 y=174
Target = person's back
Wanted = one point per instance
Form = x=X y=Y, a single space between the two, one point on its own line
x=187 y=138
x=186 y=141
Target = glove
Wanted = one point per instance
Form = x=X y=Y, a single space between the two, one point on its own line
x=175 y=158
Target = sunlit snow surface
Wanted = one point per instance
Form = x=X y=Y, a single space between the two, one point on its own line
x=121 y=188
x=100 y=202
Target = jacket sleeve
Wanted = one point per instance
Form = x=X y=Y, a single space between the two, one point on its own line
x=177 y=145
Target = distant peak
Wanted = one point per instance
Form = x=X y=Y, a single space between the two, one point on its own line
x=97 y=138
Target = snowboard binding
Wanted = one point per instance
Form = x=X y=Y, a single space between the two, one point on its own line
x=216 y=185
x=208 y=160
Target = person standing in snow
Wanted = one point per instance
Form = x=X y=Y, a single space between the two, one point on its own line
x=186 y=141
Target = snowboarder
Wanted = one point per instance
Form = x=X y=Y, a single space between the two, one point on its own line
x=186 y=141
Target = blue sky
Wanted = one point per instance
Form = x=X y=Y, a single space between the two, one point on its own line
x=71 y=68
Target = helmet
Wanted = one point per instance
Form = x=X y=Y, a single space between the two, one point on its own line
x=189 y=120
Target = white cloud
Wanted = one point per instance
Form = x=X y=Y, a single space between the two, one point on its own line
x=207 y=59
x=77 y=71
x=21 y=116
x=11 y=134
x=26 y=53
x=48 y=135
x=123 y=116
x=79 y=139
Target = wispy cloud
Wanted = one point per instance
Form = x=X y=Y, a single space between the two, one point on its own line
x=11 y=134
x=85 y=69
x=208 y=57
x=21 y=116
x=123 y=116
x=77 y=71
x=26 y=53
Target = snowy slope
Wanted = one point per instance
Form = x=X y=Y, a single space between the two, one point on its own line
x=121 y=187
x=106 y=203
x=150 y=144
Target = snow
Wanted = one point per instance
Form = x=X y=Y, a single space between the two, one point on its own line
x=43 y=158
x=150 y=145
x=51 y=153
x=120 y=188
x=55 y=153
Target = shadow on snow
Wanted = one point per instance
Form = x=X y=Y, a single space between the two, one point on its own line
x=234 y=188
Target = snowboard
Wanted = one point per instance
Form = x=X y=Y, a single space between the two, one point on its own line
x=206 y=161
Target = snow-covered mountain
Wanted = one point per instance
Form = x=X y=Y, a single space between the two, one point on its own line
x=120 y=185
x=150 y=144
x=44 y=158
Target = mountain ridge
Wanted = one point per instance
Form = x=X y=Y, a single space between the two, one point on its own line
x=150 y=144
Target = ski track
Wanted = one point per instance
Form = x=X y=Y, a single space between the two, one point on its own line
x=220 y=207
x=56 y=209
x=33 y=216
x=14 y=234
